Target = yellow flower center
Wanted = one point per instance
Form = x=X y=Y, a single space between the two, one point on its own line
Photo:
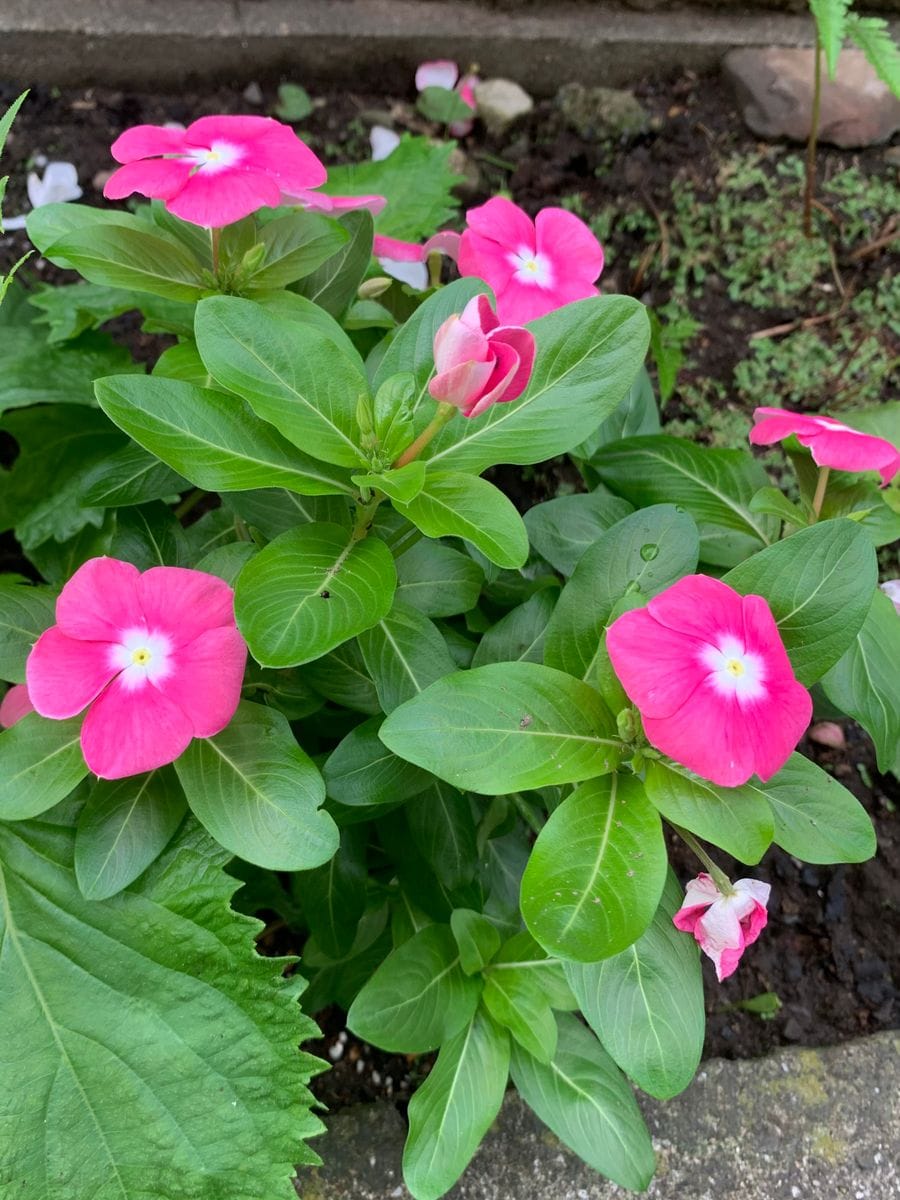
x=735 y=667
x=141 y=656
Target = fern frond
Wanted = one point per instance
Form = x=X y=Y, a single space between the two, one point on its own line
x=830 y=17
x=873 y=37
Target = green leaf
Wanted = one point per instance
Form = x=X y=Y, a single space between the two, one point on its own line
x=70 y=310
x=639 y=557
x=135 y=258
x=441 y=824
x=404 y=653
x=148 y=535
x=291 y=375
x=453 y=1109
x=646 y=1003
x=519 y=636
x=8 y=117
x=311 y=589
x=458 y=505
x=819 y=584
x=293 y=102
x=416 y=180
x=714 y=486
x=123 y=1014
x=274 y=511
x=864 y=682
x=334 y=895
x=124 y=826
x=443 y=105
x=831 y=26
x=258 y=794
x=212 y=439
x=438 y=580
x=505 y=727
x=401 y=485
x=361 y=772
x=817 y=819
x=333 y=285
x=737 y=819
x=637 y=414
x=295 y=246
x=418 y=998
x=583 y=1097
x=341 y=677
x=515 y=999
x=596 y=872
x=40 y=763
x=131 y=476
x=476 y=937
x=561 y=530
x=773 y=501
x=587 y=356
x=25 y=612
x=34 y=372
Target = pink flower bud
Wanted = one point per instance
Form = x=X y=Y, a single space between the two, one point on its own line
x=723 y=925
x=478 y=361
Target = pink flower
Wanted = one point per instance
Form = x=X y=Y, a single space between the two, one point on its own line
x=14 y=706
x=216 y=171
x=708 y=671
x=724 y=925
x=480 y=362
x=320 y=202
x=533 y=267
x=406 y=260
x=831 y=443
x=444 y=74
x=156 y=657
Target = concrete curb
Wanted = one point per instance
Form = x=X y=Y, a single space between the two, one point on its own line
x=796 y=1125
x=169 y=43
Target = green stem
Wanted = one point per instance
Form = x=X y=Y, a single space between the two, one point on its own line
x=214 y=236
x=819 y=497
x=365 y=513
x=414 y=449
x=191 y=500
x=811 y=143
x=435 y=262
x=722 y=882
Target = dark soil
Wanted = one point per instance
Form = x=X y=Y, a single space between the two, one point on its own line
x=831 y=952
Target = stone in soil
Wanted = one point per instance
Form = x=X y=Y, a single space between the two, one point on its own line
x=798 y=1125
x=599 y=114
x=774 y=88
x=501 y=102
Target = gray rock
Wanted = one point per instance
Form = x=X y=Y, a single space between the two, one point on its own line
x=253 y=94
x=774 y=88
x=501 y=102
x=600 y=114
x=798 y=1125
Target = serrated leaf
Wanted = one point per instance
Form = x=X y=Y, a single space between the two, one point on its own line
x=40 y=763
x=831 y=25
x=120 y=1015
x=32 y=371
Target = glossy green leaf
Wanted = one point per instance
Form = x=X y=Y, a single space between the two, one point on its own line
x=438 y=580
x=645 y=1004
x=40 y=763
x=361 y=772
x=124 y=826
x=274 y=510
x=819 y=584
x=311 y=589
x=258 y=793
x=290 y=374
x=453 y=1109
x=505 y=727
x=443 y=829
x=737 y=819
x=401 y=485
x=596 y=872
x=133 y=257
x=341 y=677
x=333 y=285
x=458 y=505
x=477 y=938
x=520 y=635
x=561 y=530
x=148 y=535
x=404 y=653
x=418 y=998
x=816 y=818
x=635 y=416
x=212 y=439
x=583 y=1097
x=26 y=611
x=131 y=476
x=295 y=246
x=516 y=1001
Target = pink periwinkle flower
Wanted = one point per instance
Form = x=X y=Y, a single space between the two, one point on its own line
x=478 y=361
x=155 y=657
x=445 y=74
x=831 y=443
x=406 y=260
x=707 y=669
x=216 y=171
x=534 y=266
x=724 y=924
x=14 y=706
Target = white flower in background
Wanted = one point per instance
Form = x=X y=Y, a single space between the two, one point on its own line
x=891 y=588
x=58 y=184
x=383 y=142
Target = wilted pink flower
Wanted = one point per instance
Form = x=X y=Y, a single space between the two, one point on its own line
x=406 y=260
x=828 y=733
x=724 y=924
x=709 y=674
x=444 y=74
x=533 y=267
x=216 y=171
x=320 y=202
x=156 y=656
x=478 y=361
x=831 y=443
x=14 y=706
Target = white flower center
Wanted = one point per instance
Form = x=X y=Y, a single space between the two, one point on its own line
x=532 y=268
x=219 y=156
x=734 y=671
x=141 y=657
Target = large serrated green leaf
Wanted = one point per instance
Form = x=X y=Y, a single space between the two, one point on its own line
x=155 y=1052
x=831 y=24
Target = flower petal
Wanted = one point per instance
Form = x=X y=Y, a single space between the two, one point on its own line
x=708 y=734
x=205 y=679
x=100 y=601
x=184 y=603
x=217 y=198
x=147 y=141
x=14 y=706
x=569 y=244
x=659 y=670
x=65 y=674
x=156 y=178
x=397 y=250
x=504 y=223
x=131 y=730
x=700 y=607
x=415 y=274
x=441 y=73
x=383 y=141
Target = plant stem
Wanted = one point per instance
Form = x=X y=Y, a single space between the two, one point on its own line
x=819 y=497
x=190 y=501
x=811 y=143
x=414 y=449
x=721 y=880
x=214 y=236
x=365 y=512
